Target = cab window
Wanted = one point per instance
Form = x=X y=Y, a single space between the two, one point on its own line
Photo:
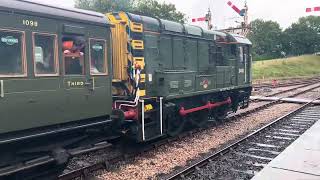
x=98 y=64
x=12 y=61
x=219 y=56
x=241 y=55
x=45 y=55
x=73 y=47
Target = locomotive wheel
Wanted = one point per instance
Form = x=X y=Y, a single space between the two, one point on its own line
x=176 y=126
x=200 y=119
x=221 y=114
x=218 y=115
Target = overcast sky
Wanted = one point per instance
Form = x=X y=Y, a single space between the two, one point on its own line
x=283 y=11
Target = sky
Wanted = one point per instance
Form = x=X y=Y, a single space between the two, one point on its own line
x=285 y=12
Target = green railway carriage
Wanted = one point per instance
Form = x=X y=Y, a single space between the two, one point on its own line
x=55 y=75
x=177 y=72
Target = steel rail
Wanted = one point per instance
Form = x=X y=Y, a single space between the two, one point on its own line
x=202 y=162
x=85 y=171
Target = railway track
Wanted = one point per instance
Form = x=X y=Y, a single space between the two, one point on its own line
x=294 y=82
x=244 y=158
x=87 y=171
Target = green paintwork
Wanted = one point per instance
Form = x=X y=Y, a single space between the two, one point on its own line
x=31 y=102
x=182 y=60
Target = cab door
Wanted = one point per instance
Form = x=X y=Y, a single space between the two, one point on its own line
x=86 y=80
x=242 y=65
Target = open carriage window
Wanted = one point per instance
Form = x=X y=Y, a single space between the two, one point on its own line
x=12 y=61
x=98 y=63
x=45 y=61
x=73 y=54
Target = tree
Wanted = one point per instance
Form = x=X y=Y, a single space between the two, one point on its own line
x=303 y=37
x=105 y=6
x=143 y=7
x=266 y=39
x=159 y=10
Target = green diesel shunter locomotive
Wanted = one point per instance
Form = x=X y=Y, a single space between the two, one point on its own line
x=169 y=77
x=55 y=81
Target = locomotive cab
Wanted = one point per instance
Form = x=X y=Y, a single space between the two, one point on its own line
x=168 y=74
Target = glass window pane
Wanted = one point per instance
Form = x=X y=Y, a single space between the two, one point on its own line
x=241 y=54
x=74 y=54
x=44 y=54
x=11 y=61
x=97 y=52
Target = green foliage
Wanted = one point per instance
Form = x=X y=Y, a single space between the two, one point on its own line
x=289 y=67
x=105 y=6
x=144 y=7
x=159 y=10
x=265 y=37
x=300 y=38
x=303 y=37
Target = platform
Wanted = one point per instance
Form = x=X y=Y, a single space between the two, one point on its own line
x=299 y=161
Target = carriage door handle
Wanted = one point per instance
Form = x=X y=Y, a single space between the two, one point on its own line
x=1 y=89
x=90 y=84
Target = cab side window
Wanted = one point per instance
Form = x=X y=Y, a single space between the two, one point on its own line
x=98 y=64
x=219 y=56
x=73 y=54
x=241 y=55
x=12 y=53
x=45 y=61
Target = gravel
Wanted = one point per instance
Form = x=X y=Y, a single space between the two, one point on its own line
x=298 y=90
x=91 y=158
x=270 y=91
x=240 y=163
x=165 y=158
x=310 y=95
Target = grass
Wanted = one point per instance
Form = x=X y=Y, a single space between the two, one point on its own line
x=301 y=66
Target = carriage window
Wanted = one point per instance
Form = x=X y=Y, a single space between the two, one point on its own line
x=11 y=53
x=98 y=57
x=73 y=53
x=44 y=54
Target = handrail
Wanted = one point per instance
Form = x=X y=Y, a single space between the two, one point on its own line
x=2 y=89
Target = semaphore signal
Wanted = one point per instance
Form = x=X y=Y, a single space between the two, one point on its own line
x=207 y=18
x=313 y=9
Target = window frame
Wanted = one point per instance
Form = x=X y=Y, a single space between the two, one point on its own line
x=56 y=60
x=24 y=72
x=105 y=58
x=84 y=71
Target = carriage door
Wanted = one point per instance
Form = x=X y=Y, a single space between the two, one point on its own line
x=83 y=60
x=242 y=66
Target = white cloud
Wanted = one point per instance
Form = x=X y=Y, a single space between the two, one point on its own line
x=283 y=11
